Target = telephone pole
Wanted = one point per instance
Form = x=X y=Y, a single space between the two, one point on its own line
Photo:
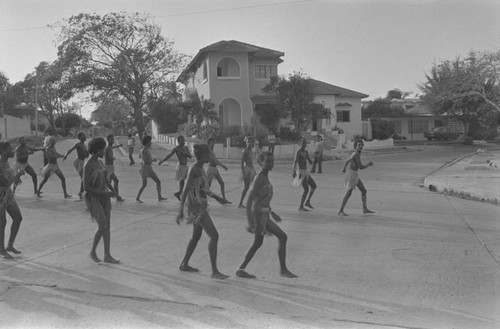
x=36 y=104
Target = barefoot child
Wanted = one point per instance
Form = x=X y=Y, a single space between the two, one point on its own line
x=109 y=160
x=81 y=154
x=213 y=171
x=98 y=191
x=147 y=169
x=352 y=177
x=52 y=167
x=7 y=202
x=182 y=152
x=22 y=152
x=247 y=171
x=258 y=213
x=301 y=159
x=195 y=193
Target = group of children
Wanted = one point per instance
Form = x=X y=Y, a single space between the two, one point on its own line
x=99 y=183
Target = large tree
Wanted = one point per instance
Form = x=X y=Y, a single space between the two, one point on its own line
x=48 y=83
x=119 y=53
x=461 y=88
x=296 y=99
x=113 y=113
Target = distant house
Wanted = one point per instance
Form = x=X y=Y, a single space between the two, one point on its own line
x=417 y=119
x=232 y=74
x=344 y=106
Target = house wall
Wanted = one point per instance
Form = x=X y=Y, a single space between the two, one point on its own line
x=329 y=102
x=354 y=127
x=236 y=88
x=202 y=85
x=256 y=85
x=405 y=123
x=12 y=127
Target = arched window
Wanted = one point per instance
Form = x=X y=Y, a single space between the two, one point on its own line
x=228 y=68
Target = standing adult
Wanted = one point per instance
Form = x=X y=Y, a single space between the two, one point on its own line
x=259 y=213
x=147 y=170
x=109 y=161
x=318 y=155
x=8 y=203
x=22 y=166
x=352 y=179
x=131 y=147
x=52 y=168
x=182 y=152
x=271 y=140
x=98 y=191
x=81 y=154
x=307 y=182
x=213 y=171
x=46 y=144
x=195 y=194
x=247 y=171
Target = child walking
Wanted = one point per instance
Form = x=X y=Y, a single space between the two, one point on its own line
x=147 y=170
x=8 y=203
x=81 y=154
x=98 y=191
x=301 y=159
x=195 y=193
x=258 y=213
x=182 y=152
x=352 y=178
x=213 y=171
x=247 y=171
x=52 y=168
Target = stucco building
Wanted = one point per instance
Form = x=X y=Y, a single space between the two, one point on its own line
x=231 y=74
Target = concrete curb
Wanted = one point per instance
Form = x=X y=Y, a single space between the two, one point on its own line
x=463 y=185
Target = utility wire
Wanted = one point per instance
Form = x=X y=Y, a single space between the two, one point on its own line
x=179 y=14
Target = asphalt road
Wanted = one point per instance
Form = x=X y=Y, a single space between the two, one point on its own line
x=423 y=260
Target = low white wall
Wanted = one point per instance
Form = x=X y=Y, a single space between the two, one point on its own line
x=372 y=144
x=12 y=127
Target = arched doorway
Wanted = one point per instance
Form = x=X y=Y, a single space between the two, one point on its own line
x=230 y=112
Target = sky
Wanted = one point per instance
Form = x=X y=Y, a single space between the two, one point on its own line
x=370 y=46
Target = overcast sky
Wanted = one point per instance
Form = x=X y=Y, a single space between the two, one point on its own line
x=370 y=46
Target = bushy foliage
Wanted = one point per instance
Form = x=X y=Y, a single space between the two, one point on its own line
x=288 y=134
x=382 y=129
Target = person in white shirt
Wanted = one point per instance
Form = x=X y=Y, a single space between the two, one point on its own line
x=131 y=146
x=318 y=155
x=271 y=140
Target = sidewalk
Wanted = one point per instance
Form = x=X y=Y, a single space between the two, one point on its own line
x=470 y=177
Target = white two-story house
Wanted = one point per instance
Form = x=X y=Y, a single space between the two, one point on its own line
x=231 y=74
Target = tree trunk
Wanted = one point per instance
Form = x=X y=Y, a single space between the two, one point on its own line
x=139 y=120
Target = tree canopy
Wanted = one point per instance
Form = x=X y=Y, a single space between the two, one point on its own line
x=296 y=99
x=119 y=53
x=467 y=89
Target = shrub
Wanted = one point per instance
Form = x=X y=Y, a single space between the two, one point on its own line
x=287 y=134
x=484 y=134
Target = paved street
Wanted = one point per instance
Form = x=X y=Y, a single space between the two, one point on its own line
x=423 y=260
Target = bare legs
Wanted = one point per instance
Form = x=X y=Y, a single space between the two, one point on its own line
x=306 y=183
x=15 y=213
x=63 y=183
x=221 y=184
x=363 y=199
x=103 y=230
x=244 y=192
x=155 y=178
x=208 y=226
x=257 y=243
x=115 y=182
x=181 y=187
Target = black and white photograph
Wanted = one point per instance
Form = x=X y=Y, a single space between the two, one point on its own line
x=263 y=163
